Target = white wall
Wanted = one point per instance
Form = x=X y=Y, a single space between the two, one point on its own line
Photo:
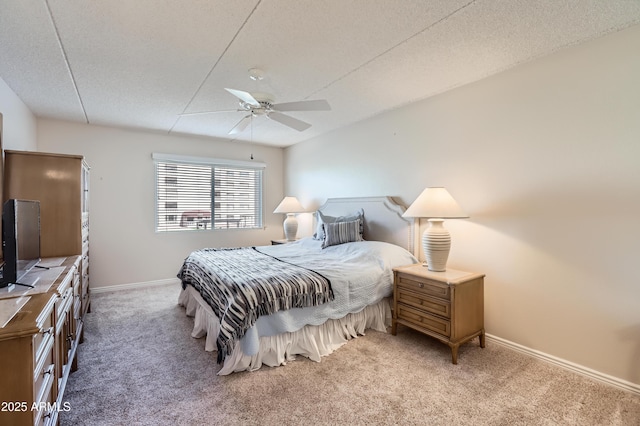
x=124 y=248
x=19 y=124
x=545 y=158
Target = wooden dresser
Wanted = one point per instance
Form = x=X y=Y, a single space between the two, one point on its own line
x=61 y=184
x=446 y=305
x=38 y=344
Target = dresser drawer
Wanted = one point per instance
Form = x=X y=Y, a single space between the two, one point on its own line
x=43 y=413
x=77 y=286
x=43 y=373
x=424 y=320
x=84 y=295
x=41 y=338
x=85 y=266
x=423 y=286
x=77 y=307
x=63 y=305
x=423 y=302
x=85 y=231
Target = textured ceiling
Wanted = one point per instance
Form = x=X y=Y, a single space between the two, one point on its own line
x=142 y=63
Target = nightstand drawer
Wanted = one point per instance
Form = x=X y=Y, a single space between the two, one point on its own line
x=425 y=286
x=422 y=319
x=426 y=303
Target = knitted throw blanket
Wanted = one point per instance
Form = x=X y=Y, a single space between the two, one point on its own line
x=241 y=284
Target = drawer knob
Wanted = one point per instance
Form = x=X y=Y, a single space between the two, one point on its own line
x=421 y=285
x=48 y=371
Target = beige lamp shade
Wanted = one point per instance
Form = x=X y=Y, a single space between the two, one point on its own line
x=290 y=206
x=436 y=204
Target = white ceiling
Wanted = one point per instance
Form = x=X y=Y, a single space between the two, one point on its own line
x=141 y=63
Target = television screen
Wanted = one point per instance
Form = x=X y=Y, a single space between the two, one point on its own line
x=21 y=238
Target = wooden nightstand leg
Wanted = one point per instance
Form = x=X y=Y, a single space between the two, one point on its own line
x=394 y=327
x=482 y=340
x=454 y=353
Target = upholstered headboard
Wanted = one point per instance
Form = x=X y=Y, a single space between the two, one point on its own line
x=382 y=216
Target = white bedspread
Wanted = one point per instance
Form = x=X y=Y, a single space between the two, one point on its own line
x=360 y=274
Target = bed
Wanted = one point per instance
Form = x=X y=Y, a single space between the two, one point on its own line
x=347 y=276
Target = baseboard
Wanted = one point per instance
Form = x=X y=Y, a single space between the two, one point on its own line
x=568 y=365
x=130 y=286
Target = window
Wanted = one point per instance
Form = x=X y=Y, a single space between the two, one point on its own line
x=194 y=193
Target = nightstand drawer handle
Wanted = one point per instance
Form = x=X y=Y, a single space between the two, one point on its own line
x=421 y=285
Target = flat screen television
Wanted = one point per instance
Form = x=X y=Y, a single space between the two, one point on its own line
x=20 y=239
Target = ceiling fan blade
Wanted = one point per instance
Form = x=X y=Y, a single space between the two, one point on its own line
x=184 y=114
x=294 y=123
x=245 y=97
x=242 y=124
x=315 y=105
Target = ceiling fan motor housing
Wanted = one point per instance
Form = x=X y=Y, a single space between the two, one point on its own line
x=264 y=108
x=264 y=99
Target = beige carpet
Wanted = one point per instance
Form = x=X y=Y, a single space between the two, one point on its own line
x=139 y=366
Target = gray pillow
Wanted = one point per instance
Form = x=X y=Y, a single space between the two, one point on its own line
x=322 y=219
x=341 y=232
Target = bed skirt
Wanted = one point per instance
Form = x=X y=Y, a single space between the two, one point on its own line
x=311 y=341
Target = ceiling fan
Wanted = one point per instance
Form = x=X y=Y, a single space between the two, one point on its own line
x=258 y=103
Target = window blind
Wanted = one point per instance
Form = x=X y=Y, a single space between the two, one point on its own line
x=195 y=194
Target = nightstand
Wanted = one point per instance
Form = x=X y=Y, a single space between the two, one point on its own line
x=446 y=305
x=282 y=241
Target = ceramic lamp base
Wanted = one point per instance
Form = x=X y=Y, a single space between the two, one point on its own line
x=290 y=227
x=436 y=243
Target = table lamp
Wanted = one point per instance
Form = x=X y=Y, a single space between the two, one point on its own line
x=436 y=204
x=290 y=206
